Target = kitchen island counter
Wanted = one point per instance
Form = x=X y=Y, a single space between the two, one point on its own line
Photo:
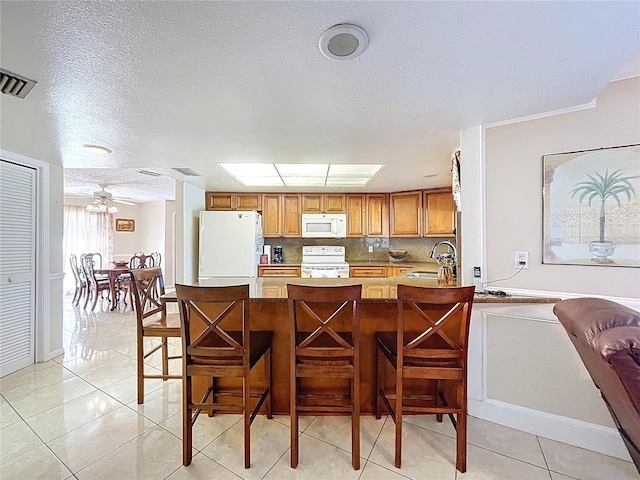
x=269 y=311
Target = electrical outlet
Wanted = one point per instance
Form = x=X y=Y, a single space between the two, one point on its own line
x=522 y=260
x=370 y=248
x=478 y=284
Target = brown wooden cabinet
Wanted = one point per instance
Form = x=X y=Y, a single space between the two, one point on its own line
x=427 y=213
x=271 y=215
x=367 y=215
x=394 y=270
x=278 y=271
x=249 y=201
x=405 y=214
x=377 y=214
x=220 y=201
x=356 y=215
x=323 y=203
x=281 y=216
x=376 y=291
x=439 y=213
x=363 y=272
x=291 y=216
x=233 y=201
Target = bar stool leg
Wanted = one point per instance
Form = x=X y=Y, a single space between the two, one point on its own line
x=187 y=428
x=355 y=420
x=165 y=357
x=398 y=418
x=379 y=384
x=267 y=360
x=294 y=418
x=246 y=398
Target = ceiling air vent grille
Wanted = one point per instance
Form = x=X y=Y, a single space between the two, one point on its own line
x=150 y=173
x=15 y=85
x=187 y=171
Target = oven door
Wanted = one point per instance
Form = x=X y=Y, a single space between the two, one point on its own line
x=320 y=271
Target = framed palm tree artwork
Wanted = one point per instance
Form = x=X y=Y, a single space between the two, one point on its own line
x=591 y=211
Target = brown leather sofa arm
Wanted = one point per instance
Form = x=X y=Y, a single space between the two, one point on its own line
x=607 y=338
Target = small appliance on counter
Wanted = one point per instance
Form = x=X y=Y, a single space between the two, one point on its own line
x=277 y=255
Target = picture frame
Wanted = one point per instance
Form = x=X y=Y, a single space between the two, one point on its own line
x=125 y=225
x=591 y=207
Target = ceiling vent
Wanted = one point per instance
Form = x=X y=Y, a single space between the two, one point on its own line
x=151 y=174
x=187 y=172
x=15 y=85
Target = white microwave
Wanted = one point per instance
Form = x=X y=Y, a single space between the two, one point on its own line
x=324 y=225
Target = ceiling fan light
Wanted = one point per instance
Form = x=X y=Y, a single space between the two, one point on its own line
x=97 y=149
x=112 y=209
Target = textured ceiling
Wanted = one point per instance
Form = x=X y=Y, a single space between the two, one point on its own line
x=191 y=84
x=122 y=183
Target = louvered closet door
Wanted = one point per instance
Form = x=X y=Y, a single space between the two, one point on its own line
x=17 y=266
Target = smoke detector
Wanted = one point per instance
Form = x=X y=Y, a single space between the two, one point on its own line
x=343 y=42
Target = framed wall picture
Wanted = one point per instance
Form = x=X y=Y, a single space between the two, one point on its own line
x=591 y=207
x=125 y=225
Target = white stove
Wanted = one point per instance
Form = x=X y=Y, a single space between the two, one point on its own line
x=324 y=262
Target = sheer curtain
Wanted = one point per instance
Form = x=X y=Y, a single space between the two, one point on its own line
x=85 y=232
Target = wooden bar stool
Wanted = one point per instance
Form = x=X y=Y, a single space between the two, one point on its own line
x=147 y=286
x=318 y=350
x=218 y=352
x=437 y=352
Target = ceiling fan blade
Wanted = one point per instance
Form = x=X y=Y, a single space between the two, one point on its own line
x=123 y=202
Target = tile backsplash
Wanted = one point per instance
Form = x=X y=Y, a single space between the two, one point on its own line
x=357 y=249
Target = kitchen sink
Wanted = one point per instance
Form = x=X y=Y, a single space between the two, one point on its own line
x=431 y=275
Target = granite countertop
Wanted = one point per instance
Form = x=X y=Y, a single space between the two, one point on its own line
x=274 y=288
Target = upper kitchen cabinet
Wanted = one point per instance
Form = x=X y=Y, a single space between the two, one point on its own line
x=220 y=201
x=439 y=213
x=292 y=216
x=272 y=215
x=356 y=215
x=249 y=201
x=281 y=215
x=377 y=214
x=367 y=215
x=405 y=214
x=233 y=201
x=323 y=203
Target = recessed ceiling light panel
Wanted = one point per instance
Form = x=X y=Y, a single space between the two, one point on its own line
x=343 y=42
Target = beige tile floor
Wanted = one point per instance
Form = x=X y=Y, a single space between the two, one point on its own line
x=77 y=417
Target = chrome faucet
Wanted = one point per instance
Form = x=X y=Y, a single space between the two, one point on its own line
x=455 y=253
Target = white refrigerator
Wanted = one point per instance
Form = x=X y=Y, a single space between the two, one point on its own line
x=230 y=244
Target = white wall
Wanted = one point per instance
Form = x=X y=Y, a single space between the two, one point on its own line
x=189 y=203
x=513 y=158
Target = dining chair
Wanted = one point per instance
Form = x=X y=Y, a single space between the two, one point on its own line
x=217 y=341
x=141 y=261
x=435 y=352
x=324 y=343
x=156 y=258
x=80 y=279
x=152 y=321
x=95 y=285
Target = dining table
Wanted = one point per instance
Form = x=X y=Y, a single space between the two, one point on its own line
x=112 y=274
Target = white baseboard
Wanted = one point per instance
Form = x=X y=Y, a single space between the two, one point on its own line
x=581 y=434
x=54 y=354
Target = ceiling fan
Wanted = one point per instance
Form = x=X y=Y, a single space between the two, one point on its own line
x=103 y=200
x=103 y=195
